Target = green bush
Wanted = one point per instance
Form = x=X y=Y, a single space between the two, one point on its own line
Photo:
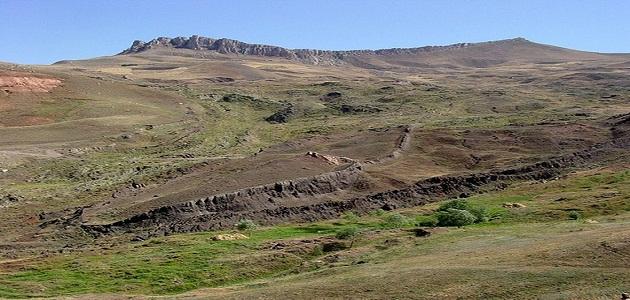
x=426 y=221
x=246 y=224
x=574 y=215
x=395 y=220
x=455 y=217
x=347 y=233
x=461 y=204
x=479 y=213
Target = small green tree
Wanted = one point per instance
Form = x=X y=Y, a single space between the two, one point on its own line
x=246 y=224
x=455 y=217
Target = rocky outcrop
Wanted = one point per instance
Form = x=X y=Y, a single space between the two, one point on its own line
x=313 y=56
x=331 y=159
x=292 y=200
x=283 y=115
x=265 y=204
x=9 y=199
x=257 y=198
x=223 y=46
x=330 y=96
x=402 y=144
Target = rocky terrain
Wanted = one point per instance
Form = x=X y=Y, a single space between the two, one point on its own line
x=274 y=203
x=129 y=175
x=328 y=57
x=228 y=46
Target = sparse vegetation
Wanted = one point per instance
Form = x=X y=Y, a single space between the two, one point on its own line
x=129 y=134
x=348 y=233
x=377 y=213
x=350 y=217
x=246 y=225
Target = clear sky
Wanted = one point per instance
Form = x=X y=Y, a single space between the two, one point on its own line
x=39 y=32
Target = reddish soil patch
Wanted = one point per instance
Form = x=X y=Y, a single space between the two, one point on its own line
x=19 y=82
x=32 y=120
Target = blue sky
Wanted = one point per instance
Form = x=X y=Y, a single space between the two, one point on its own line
x=39 y=32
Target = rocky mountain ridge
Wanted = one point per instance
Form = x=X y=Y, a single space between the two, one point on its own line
x=229 y=46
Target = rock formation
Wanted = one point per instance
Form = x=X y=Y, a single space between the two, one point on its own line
x=312 y=56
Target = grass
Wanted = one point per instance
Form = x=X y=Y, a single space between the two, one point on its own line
x=162 y=265
x=590 y=194
x=175 y=264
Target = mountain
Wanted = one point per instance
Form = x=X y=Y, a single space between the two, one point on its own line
x=106 y=163
x=462 y=54
x=229 y=46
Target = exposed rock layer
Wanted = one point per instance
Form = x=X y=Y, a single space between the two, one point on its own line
x=291 y=200
x=229 y=46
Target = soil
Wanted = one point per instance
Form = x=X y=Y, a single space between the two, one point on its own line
x=19 y=82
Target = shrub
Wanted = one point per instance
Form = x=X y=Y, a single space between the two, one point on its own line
x=246 y=224
x=424 y=221
x=395 y=220
x=455 y=217
x=479 y=213
x=461 y=204
x=347 y=233
x=574 y=215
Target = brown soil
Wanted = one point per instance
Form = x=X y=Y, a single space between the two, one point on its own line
x=20 y=82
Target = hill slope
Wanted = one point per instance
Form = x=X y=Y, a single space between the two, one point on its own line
x=101 y=157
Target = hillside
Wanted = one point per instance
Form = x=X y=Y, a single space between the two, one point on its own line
x=121 y=176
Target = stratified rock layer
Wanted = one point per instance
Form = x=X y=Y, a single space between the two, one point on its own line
x=295 y=200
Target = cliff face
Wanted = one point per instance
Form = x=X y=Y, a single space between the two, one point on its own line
x=268 y=204
x=228 y=46
x=229 y=206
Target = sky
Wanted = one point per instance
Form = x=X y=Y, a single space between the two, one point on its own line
x=42 y=31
